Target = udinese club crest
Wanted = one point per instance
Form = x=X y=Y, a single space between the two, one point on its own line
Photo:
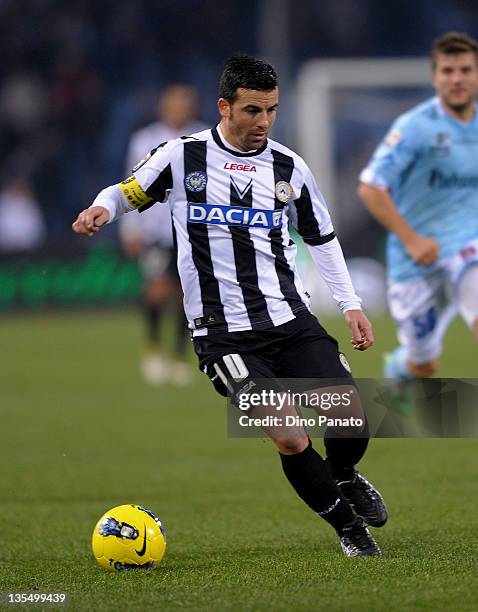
x=345 y=363
x=283 y=191
x=195 y=181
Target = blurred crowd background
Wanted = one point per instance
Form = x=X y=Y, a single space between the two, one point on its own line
x=78 y=77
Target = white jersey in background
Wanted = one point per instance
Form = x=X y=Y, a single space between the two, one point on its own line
x=154 y=226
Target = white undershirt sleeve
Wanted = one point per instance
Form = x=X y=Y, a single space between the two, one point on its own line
x=112 y=199
x=331 y=265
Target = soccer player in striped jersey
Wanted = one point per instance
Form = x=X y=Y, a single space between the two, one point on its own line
x=232 y=192
x=422 y=186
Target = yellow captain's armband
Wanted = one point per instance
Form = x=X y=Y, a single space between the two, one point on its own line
x=133 y=192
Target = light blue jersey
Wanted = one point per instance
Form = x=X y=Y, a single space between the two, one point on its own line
x=429 y=162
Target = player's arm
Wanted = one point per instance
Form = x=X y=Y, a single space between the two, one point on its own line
x=110 y=204
x=399 y=149
x=131 y=228
x=310 y=216
x=380 y=205
x=90 y=220
x=151 y=182
x=330 y=263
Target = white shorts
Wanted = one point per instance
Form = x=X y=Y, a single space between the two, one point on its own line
x=424 y=307
x=157 y=262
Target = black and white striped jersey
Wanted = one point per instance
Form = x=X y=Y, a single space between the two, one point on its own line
x=231 y=213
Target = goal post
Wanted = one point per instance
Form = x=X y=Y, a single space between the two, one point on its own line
x=319 y=83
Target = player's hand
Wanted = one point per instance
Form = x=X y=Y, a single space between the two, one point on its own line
x=362 y=334
x=90 y=220
x=422 y=250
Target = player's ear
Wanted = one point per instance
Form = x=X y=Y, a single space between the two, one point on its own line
x=224 y=108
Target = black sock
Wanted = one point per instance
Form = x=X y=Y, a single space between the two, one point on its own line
x=309 y=474
x=344 y=453
x=152 y=316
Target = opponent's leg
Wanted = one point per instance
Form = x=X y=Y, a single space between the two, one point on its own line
x=423 y=310
x=180 y=369
x=152 y=317
x=154 y=364
x=467 y=296
x=183 y=339
x=158 y=290
x=399 y=366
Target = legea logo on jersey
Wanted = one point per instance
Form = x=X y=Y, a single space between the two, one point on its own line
x=219 y=214
x=241 y=167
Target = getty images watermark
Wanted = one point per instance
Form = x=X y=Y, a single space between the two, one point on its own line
x=281 y=401
x=426 y=408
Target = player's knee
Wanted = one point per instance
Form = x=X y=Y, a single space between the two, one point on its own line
x=292 y=445
x=423 y=370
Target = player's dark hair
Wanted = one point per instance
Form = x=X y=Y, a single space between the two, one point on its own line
x=246 y=72
x=453 y=43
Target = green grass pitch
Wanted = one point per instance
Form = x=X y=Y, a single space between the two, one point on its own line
x=80 y=433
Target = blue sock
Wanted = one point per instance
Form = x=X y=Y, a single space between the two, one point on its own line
x=395 y=365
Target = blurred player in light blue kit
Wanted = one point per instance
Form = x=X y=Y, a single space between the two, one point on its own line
x=149 y=237
x=422 y=186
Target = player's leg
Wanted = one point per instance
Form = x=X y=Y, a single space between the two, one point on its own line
x=305 y=469
x=307 y=472
x=309 y=475
x=181 y=372
x=311 y=353
x=400 y=365
x=158 y=289
x=422 y=309
x=180 y=368
x=462 y=271
x=467 y=297
x=182 y=340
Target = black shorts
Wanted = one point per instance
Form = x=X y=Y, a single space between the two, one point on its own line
x=300 y=348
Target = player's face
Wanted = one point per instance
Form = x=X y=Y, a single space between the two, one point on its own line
x=177 y=106
x=248 y=120
x=455 y=79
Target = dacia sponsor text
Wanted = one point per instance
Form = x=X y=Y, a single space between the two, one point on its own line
x=220 y=214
